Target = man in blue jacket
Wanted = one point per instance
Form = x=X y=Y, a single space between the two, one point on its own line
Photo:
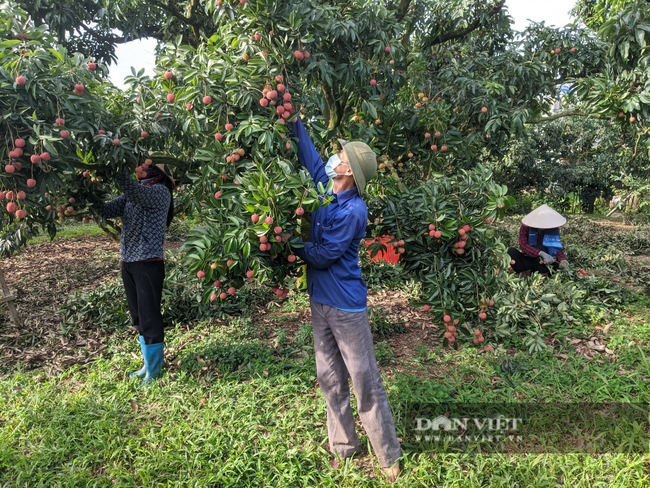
x=342 y=337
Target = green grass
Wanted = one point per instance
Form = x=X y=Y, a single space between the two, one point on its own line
x=178 y=230
x=263 y=421
x=239 y=405
x=295 y=302
x=68 y=231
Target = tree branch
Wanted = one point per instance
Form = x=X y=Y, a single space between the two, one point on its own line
x=408 y=30
x=568 y=113
x=460 y=33
x=149 y=31
x=192 y=9
x=403 y=9
x=174 y=12
x=341 y=105
x=101 y=36
x=190 y=18
x=331 y=109
x=391 y=167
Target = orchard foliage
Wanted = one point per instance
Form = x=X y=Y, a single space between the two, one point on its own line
x=433 y=86
x=95 y=28
x=53 y=153
x=595 y=12
x=581 y=156
x=622 y=90
x=249 y=224
x=443 y=231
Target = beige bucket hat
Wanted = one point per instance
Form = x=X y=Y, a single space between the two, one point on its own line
x=363 y=162
x=543 y=217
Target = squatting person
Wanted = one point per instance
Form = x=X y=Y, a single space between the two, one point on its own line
x=146 y=208
x=342 y=338
x=539 y=239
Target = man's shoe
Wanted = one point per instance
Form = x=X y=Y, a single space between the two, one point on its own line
x=391 y=473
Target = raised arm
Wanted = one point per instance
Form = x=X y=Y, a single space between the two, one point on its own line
x=113 y=208
x=307 y=154
x=145 y=196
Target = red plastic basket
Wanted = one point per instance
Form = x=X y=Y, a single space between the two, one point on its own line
x=389 y=255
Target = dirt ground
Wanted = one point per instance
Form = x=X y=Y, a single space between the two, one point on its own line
x=43 y=277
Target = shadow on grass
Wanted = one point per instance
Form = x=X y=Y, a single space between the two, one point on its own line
x=239 y=360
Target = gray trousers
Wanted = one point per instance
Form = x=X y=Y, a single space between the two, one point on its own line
x=343 y=344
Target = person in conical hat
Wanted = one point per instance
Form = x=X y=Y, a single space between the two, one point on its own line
x=539 y=239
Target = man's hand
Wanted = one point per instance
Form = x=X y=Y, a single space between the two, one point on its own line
x=564 y=263
x=548 y=259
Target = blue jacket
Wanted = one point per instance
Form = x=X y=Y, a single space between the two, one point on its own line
x=144 y=218
x=332 y=253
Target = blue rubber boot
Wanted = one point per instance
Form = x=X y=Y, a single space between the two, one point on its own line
x=143 y=371
x=154 y=358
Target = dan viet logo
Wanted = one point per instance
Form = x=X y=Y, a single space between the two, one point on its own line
x=490 y=429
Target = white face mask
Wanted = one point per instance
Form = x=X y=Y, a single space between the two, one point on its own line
x=331 y=164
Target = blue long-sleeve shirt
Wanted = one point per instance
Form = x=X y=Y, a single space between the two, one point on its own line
x=144 y=218
x=332 y=253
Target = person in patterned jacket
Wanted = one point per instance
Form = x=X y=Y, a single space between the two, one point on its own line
x=146 y=208
x=539 y=239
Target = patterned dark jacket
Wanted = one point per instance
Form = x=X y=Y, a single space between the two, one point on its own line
x=144 y=218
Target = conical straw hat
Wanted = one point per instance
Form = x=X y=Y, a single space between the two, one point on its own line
x=543 y=217
x=167 y=172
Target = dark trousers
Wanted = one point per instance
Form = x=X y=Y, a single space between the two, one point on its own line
x=524 y=263
x=143 y=282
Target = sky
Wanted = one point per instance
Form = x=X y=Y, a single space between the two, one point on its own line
x=140 y=54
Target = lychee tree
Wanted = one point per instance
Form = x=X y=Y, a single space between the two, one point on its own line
x=433 y=86
x=443 y=230
x=573 y=157
x=59 y=139
x=249 y=222
x=622 y=91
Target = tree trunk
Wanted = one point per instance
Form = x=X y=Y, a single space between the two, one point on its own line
x=111 y=229
x=588 y=196
x=335 y=106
